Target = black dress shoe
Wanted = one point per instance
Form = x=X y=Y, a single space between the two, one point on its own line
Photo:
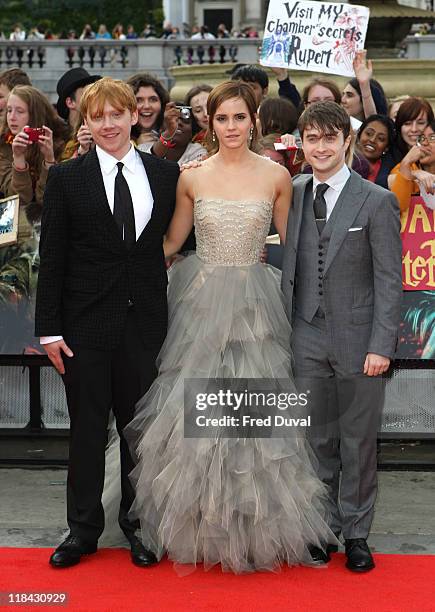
x=140 y=555
x=70 y=552
x=359 y=557
x=318 y=555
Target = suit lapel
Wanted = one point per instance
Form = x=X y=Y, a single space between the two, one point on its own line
x=300 y=188
x=98 y=194
x=350 y=201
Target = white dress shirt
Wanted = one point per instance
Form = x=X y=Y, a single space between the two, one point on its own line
x=141 y=195
x=336 y=183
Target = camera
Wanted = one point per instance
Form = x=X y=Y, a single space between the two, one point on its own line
x=34 y=133
x=185 y=112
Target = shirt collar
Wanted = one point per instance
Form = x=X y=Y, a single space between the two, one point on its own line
x=336 y=181
x=108 y=162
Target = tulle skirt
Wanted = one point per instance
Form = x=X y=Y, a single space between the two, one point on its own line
x=244 y=503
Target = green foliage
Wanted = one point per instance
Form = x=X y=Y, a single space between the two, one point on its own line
x=63 y=15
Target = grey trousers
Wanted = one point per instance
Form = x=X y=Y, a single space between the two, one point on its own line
x=345 y=409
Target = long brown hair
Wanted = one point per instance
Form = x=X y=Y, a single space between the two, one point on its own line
x=409 y=110
x=40 y=113
x=278 y=115
x=220 y=94
x=323 y=82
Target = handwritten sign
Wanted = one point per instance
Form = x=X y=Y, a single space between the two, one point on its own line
x=314 y=36
x=418 y=250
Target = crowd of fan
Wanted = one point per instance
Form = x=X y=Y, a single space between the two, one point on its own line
x=118 y=32
x=394 y=143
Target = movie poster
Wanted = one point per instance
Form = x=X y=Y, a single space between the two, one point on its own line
x=19 y=266
x=418 y=252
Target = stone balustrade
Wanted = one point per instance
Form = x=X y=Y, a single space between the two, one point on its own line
x=421 y=47
x=183 y=63
x=45 y=61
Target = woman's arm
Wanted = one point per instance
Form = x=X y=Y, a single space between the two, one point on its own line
x=182 y=219
x=170 y=123
x=403 y=188
x=402 y=181
x=364 y=72
x=284 y=191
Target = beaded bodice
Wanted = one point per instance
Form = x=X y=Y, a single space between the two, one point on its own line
x=231 y=232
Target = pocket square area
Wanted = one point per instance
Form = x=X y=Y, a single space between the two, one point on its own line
x=355 y=229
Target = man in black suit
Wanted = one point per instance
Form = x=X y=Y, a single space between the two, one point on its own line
x=101 y=309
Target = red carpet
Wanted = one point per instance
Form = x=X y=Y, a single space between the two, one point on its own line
x=108 y=581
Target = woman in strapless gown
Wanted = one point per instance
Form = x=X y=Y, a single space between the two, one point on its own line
x=244 y=503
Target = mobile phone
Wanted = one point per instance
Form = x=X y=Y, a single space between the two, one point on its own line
x=34 y=133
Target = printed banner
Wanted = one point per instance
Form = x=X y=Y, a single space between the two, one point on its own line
x=417 y=326
x=418 y=246
x=314 y=36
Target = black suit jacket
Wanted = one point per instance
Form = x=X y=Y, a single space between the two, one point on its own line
x=87 y=276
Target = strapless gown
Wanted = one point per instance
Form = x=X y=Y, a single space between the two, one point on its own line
x=246 y=504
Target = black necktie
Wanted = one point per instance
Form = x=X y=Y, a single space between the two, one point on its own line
x=320 y=206
x=123 y=210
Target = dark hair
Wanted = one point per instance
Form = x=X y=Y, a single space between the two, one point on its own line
x=13 y=77
x=324 y=82
x=144 y=79
x=220 y=94
x=195 y=90
x=431 y=124
x=251 y=74
x=391 y=130
x=386 y=121
x=278 y=115
x=325 y=116
x=409 y=111
x=377 y=92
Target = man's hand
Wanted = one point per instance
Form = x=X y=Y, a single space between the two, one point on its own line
x=54 y=351
x=375 y=365
x=263 y=255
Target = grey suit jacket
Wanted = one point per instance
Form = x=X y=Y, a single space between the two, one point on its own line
x=362 y=280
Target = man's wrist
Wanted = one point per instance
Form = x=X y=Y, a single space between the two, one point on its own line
x=49 y=339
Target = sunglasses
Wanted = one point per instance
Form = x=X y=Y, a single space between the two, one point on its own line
x=425 y=140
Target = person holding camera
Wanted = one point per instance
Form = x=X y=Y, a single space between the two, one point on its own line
x=32 y=138
x=175 y=142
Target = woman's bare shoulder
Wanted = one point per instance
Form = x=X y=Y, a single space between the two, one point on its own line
x=274 y=170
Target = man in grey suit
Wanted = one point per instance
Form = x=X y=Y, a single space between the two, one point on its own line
x=342 y=286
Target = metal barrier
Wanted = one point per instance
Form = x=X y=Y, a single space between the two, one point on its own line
x=32 y=398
